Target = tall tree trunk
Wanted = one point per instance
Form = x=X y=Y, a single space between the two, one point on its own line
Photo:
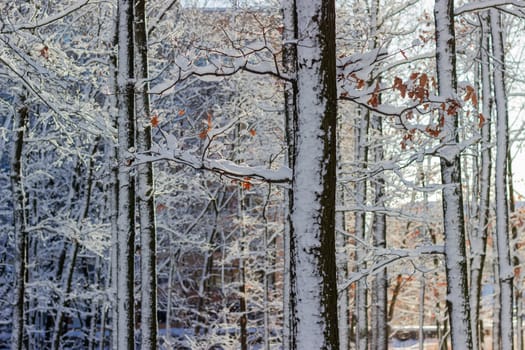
x=20 y=226
x=126 y=181
x=269 y=262
x=361 y=297
x=314 y=285
x=146 y=189
x=518 y=277
x=111 y=145
x=243 y=320
x=290 y=118
x=479 y=236
x=380 y=282
x=506 y=271
x=342 y=258
x=455 y=253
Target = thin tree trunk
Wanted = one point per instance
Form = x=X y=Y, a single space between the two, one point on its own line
x=20 y=226
x=506 y=271
x=243 y=320
x=266 y=267
x=126 y=181
x=496 y=343
x=422 y=292
x=146 y=189
x=360 y=229
x=518 y=278
x=113 y=190
x=380 y=282
x=455 y=253
x=290 y=118
x=479 y=235
x=342 y=269
x=314 y=281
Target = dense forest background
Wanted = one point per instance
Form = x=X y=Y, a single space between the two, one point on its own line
x=294 y=174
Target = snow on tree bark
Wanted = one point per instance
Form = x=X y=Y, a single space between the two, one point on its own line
x=453 y=220
x=479 y=235
x=361 y=297
x=506 y=271
x=21 y=117
x=342 y=253
x=290 y=116
x=380 y=283
x=126 y=181
x=145 y=186
x=314 y=286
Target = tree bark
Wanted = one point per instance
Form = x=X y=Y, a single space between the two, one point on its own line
x=146 y=188
x=126 y=181
x=455 y=252
x=361 y=297
x=314 y=285
x=506 y=271
x=290 y=118
x=380 y=283
x=20 y=226
x=479 y=235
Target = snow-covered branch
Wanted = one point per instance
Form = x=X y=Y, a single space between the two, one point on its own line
x=220 y=166
x=483 y=5
x=389 y=257
x=48 y=20
x=221 y=64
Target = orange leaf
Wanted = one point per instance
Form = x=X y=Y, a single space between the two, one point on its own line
x=252 y=132
x=44 y=52
x=481 y=119
x=181 y=112
x=246 y=185
x=414 y=76
x=360 y=82
x=155 y=121
x=423 y=80
x=432 y=132
x=204 y=133
x=374 y=100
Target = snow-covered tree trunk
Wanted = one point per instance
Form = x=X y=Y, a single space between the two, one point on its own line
x=506 y=271
x=361 y=297
x=516 y=258
x=145 y=187
x=110 y=146
x=126 y=181
x=380 y=283
x=21 y=117
x=342 y=256
x=496 y=344
x=455 y=253
x=313 y=285
x=290 y=116
x=479 y=235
